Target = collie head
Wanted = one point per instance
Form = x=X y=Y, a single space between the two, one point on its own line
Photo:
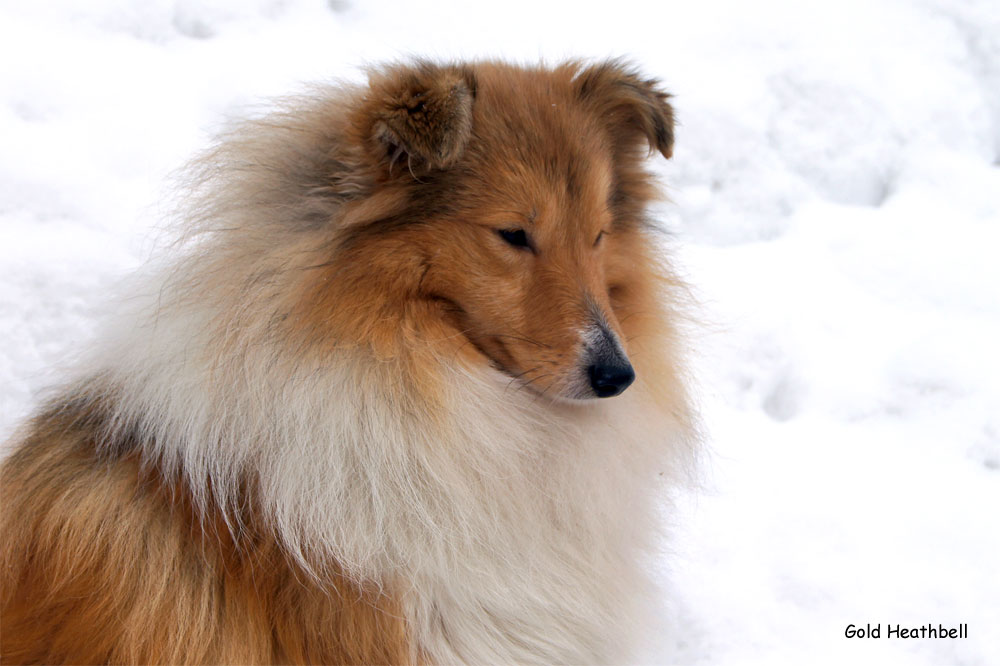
x=428 y=305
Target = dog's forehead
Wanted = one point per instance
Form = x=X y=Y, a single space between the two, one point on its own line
x=534 y=140
x=539 y=111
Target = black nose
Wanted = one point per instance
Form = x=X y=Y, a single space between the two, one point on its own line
x=610 y=380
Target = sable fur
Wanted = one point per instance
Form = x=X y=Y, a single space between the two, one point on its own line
x=107 y=562
x=342 y=423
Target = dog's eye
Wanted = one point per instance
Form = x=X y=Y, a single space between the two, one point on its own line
x=598 y=239
x=515 y=237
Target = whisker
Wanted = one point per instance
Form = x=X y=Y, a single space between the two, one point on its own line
x=532 y=381
x=514 y=378
x=522 y=339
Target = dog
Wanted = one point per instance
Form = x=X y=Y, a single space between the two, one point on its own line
x=406 y=391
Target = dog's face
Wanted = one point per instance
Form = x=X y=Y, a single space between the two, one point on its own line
x=524 y=272
x=522 y=219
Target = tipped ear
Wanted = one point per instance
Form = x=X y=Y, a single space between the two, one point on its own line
x=632 y=106
x=419 y=116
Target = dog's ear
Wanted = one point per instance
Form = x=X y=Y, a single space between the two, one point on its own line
x=418 y=117
x=631 y=106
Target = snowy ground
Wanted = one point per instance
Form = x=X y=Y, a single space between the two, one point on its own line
x=836 y=203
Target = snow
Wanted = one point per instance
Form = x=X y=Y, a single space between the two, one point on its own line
x=835 y=203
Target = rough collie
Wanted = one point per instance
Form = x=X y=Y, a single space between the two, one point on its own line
x=405 y=392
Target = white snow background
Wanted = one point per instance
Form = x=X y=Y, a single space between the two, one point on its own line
x=836 y=200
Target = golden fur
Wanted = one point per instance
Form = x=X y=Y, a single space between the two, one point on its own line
x=352 y=421
x=107 y=562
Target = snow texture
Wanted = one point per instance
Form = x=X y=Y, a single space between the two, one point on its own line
x=835 y=201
